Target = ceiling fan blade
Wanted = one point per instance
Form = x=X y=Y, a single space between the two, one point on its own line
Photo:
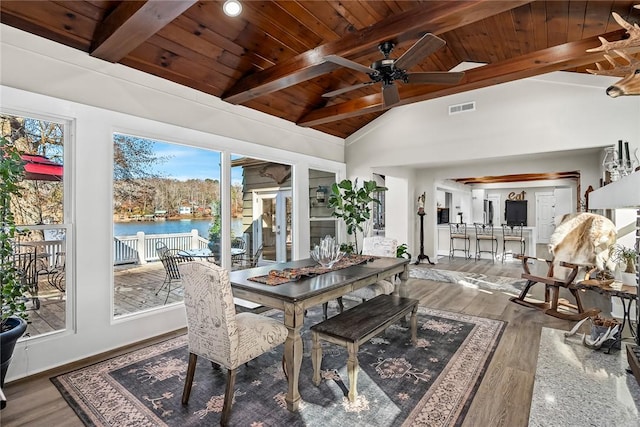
x=390 y=95
x=424 y=47
x=349 y=64
x=435 y=77
x=346 y=89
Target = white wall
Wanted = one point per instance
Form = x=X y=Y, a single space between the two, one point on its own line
x=512 y=125
x=39 y=77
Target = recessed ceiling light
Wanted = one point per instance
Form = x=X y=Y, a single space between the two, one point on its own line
x=232 y=8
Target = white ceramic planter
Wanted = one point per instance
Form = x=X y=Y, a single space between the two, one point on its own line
x=629 y=279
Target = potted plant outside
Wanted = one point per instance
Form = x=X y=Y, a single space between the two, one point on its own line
x=353 y=204
x=14 y=314
x=215 y=231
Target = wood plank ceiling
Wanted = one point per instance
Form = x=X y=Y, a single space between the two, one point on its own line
x=270 y=58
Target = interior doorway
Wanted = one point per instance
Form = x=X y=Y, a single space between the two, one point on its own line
x=545 y=216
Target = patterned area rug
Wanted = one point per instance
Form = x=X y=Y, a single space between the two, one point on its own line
x=471 y=280
x=431 y=384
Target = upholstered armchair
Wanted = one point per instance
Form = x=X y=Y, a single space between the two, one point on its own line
x=378 y=246
x=216 y=332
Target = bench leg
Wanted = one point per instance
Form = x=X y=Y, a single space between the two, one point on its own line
x=352 y=370
x=316 y=358
x=414 y=325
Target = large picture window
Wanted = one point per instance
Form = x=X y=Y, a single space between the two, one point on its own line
x=41 y=247
x=166 y=210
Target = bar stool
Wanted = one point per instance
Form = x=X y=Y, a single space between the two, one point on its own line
x=484 y=232
x=459 y=232
x=512 y=233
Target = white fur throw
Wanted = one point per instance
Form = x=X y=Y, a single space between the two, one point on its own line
x=583 y=238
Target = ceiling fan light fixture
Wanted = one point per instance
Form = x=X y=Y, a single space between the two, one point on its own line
x=232 y=8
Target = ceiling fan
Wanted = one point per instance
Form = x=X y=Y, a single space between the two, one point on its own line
x=388 y=70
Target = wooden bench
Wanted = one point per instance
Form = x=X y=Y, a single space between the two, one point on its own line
x=357 y=325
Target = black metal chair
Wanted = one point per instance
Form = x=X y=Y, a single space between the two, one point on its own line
x=484 y=233
x=458 y=231
x=250 y=261
x=512 y=233
x=170 y=259
x=25 y=264
x=238 y=244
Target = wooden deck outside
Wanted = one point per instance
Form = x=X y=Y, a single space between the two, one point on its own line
x=135 y=289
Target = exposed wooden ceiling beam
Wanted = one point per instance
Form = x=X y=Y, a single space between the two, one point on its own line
x=131 y=23
x=434 y=17
x=522 y=177
x=544 y=61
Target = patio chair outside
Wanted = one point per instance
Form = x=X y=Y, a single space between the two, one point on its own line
x=170 y=259
x=238 y=243
x=250 y=261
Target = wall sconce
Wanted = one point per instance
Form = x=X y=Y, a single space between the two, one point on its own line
x=321 y=195
x=232 y=8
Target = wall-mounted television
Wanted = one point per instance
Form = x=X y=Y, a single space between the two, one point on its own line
x=515 y=212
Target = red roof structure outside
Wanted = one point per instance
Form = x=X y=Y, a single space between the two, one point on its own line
x=39 y=168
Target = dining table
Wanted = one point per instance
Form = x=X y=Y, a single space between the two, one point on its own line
x=296 y=296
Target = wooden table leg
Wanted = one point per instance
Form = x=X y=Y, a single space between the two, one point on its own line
x=352 y=370
x=293 y=320
x=414 y=325
x=316 y=358
x=405 y=273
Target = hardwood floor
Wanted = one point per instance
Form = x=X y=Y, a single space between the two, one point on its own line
x=503 y=398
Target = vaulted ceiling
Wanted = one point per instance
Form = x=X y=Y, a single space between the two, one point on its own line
x=272 y=57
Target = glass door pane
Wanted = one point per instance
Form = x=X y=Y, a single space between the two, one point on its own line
x=274 y=214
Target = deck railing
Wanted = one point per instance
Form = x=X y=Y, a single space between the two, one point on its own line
x=141 y=248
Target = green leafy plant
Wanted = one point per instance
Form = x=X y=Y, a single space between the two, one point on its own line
x=353 y=204
x=402 y=251
x=347 y=248
x=13 y=287
x=624 y=256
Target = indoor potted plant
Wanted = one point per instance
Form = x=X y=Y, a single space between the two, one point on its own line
x=626 y=258
x=14 y=314
x=353 y=204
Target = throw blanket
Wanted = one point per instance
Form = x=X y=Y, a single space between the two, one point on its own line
x=583 y=238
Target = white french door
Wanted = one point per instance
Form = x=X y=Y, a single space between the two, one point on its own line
x=272 y=212
x=545 y=216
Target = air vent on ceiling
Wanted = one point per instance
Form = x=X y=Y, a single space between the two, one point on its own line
x=462 y=108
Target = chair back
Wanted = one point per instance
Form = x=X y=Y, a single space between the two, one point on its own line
x=458 y=230
x=483 y=231
x=169 y=261
x=256 y=257
x=238 y=243
x=26 y=269
x=379 y=246
x=512 y=232
x=212 y=329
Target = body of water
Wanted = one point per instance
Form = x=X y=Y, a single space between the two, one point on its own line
x=171 y=226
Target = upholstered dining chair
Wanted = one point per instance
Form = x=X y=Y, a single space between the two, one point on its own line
x=377 y=246
x=216 y=332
